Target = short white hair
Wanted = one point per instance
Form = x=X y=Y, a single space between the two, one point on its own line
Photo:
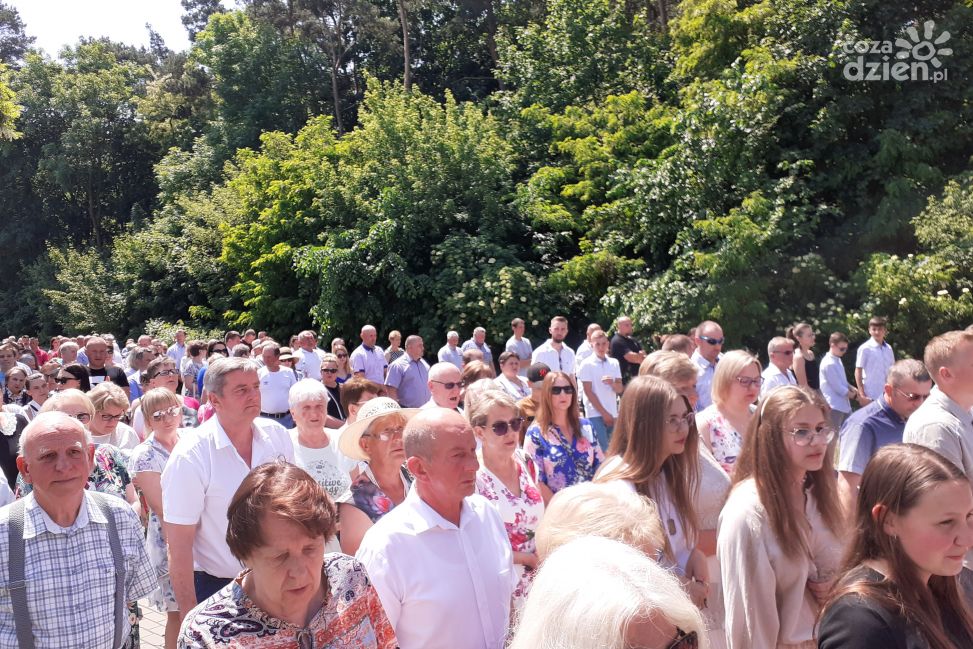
x=306 y=390
x=479 y=330
x=50 y=421
x=452 y=334
x=588 y=592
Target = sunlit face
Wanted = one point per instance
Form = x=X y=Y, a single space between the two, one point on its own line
x=558 y=330
x=452 y=469
x=687 y=389
x=240 y=400
x=416 y=349
x=16 y=382
x=97 y=353
x=329 y=373
x=906 y=397
x=286 y=568
x=562 y=394
x=369 y=336
x=743 y=395
x=783 y=355
x=600 y=347
x=57 y=462
x=271 y=358
x=353 y=408
x=938 y=532
x=810 y=457
x=677 y=428
x=806 y=337
x=519 y=328
x=38 y=390
x=382 y=441
x=165 y=419
x=106 y=421
x=446 y=387
x=625 y=326
x=309 y=416
x=877 y=332
x=65 y=381
x=709 y=350
x=479 y=337
x=961 y=370
x=8 y=358
x=493 y=442
x=510 y=367
x=69 y=355
x=165 y=376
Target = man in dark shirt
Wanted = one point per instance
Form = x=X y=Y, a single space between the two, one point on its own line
x=626 y=350
x=98 y=353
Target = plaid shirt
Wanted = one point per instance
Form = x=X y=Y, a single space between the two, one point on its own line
x=71 y=576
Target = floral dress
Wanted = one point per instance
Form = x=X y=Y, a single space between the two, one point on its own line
x=563 y=463
x=521 y=515
x=365 y=494
x=352 y=616
x=727 y=441
x=150 y=457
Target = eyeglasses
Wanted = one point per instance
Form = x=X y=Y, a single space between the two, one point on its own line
x=748 y=382
x=559 y=389
x=219 y=350
x=386 y=434
x=172 y=411
x=449 y=385
x=678 y=422
x=164 y=373
x=61 y=380
x=105 y=417
x=711 y=341
x=83 y=417
x=911 y=396
x=501 y=428
x=342 y=355
x=329 y=371
x=806 y=437
x=684 y=640
x=843 y=349
x=789 y=352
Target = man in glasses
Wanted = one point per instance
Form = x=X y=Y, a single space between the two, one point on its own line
x=708 y=338
x=445 y=384
x=881 y=422
x=780 y=353
x=834 y=381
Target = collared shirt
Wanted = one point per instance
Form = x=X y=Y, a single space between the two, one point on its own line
x=410 y=378
x=200 y=479
x=834 y=383
x=558 y=360
x=452 y=355
x=309 y=363
x=485 y=348
x=864 y=432
x=523 y=349
x=775 y=378
x=432 y=404
x=176 y=352
x=371 y=361
x=275 y=388
x=874 y=360
x=583 y=353
x=443 y=586
x=70 y=574
x=591 y=371
x=704 y=380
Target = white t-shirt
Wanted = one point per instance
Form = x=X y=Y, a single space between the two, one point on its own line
x=593 y=369
x=309 y=364
x=274 y=388
x=326 y=465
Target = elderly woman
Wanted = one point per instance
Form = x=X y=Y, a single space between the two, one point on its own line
x=596 y=593
x=290 y=594
x=14 y=390
x=106 y=426
x=509 y=378
x=736 y=385
x=375 y=439
x=162 y=373
x=508 y=479
x=72 y=376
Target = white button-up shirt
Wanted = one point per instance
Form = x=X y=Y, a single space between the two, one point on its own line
x=874 y=360
x=442 y=586
x=558 y=361
x=704 y=380
x=70 y=575
x=203 y=473
x=370 y=361
x=834 y=383
x=775 y=378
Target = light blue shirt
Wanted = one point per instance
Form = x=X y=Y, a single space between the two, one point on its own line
x=410 y=378
x=452 y=355
x=704 y=380
x=834 y=383
x=487 y=354
x=869 y=429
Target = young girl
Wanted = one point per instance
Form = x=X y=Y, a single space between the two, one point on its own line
x=162 y=411
x=912 y=529
x=780 y=536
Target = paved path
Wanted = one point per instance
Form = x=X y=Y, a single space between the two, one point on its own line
x=152 y=628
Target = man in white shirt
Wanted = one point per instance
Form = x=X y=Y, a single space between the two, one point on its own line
x=585 y=350
x=554 y=353
x=177 y=351
x=368 y=359
x=309 y=356
x=873 y=361
x=601 y=381
x=441 y=561
x=709 y=346
x=520 y=345
x=275 y=386
x=445 y=384
x=834 y=382
x=203 y=473
x=450 y=352
x=780 y=352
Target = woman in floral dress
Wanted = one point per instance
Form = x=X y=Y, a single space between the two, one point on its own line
x=561 y=444
x=736 y=385
x=161 y=410
x=508 y=480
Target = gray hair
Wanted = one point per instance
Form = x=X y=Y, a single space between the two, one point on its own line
x=239 y=351
x=452 y=334
x=69 y=346
x=412 y=340
x=52 y=420
x=475 y=390
x=776 y=342
x=217 y=371
x=479 y=330
x=58 y=400
x=304 y=391
x=478 y=411
x=906 y=369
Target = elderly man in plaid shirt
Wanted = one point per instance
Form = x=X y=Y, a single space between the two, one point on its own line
x=70 y=559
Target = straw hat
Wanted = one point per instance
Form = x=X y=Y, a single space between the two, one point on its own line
x=286 y=354
x=372 y=410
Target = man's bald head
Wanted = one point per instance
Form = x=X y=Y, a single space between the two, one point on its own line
x=429 y=428
x=46 y=423
x=445 y=372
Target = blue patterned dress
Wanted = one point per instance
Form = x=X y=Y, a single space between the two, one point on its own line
x=562 y=463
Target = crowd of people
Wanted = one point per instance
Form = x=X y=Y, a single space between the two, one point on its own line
x=270 y=495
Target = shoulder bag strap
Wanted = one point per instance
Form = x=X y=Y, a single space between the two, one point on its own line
x=119 y=561
x=18 y=583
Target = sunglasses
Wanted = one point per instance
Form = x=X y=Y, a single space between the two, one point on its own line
x=912 y=396
x=562 y=389
x=449 y=385
x=61 y=380
x=342 y=355
x=805 y=436
x=684 y=640
x=789 y=352
x=711 y=341
x=327 y=371
x=501 y=428
x=747 y=382
x=172 y=411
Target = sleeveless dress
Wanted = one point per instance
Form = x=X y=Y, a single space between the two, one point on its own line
x=811 y=368
x=727 y=441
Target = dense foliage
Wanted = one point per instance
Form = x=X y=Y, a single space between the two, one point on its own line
x=433 y=164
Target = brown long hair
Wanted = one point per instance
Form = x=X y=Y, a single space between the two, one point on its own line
x=897 y=477
x=639 y=439
x=545 y=409
x=764 y=458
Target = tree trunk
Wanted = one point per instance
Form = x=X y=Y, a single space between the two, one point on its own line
x=407 y=59
x=491 y=38
x=664 y=15
x=337 y=99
